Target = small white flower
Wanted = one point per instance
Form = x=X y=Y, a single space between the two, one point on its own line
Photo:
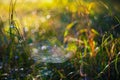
x=43 y=47
x=35 y=50
x=48 y=16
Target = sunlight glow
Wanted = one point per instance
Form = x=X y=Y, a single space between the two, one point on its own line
x=47 y=1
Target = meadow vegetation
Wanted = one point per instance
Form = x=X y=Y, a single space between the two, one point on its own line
x=80 y=38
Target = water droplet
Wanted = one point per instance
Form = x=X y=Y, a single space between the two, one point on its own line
x=16 y=69
x=21 y=69
x=0 y=67
x=11 y=26
x=16 y=57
